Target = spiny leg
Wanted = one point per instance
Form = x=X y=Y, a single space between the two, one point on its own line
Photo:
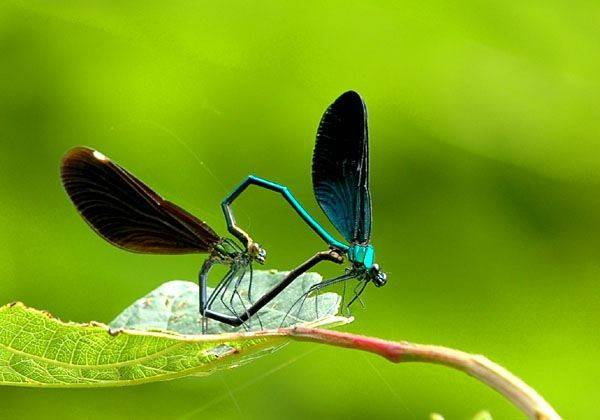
x=314 y=287
x=317 y=287
x=206 y=303
x=250 y=295
x=358 y=290
x=220 y=286
x=225 y=283
x=236 y=288
x=235 y=292
x=316 y=304
x=229 y=214
x=342 y=304
x=341 y=279
x=250 y=285
x=223 y=293
x=330 y=255
x=240 y=276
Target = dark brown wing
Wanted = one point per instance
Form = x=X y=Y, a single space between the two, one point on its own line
x=126 y=212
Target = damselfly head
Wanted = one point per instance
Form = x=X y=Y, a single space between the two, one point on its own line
x=257 y=253
x=378 y=277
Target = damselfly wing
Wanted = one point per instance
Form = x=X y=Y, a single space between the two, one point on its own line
x=340 y=167
x=126 y=212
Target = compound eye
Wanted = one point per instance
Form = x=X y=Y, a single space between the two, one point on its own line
x=379 y=278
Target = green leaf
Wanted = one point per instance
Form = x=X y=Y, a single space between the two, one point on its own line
x=154 y=339
x=174 y=306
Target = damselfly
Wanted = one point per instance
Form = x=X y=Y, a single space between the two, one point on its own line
x=340 y=175
x=130 y=215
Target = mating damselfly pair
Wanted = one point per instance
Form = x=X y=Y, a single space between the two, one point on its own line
x=130 y=215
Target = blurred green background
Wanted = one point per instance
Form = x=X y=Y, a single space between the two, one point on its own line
x=485 y=163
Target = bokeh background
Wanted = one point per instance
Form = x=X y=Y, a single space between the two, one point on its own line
x=485 y=163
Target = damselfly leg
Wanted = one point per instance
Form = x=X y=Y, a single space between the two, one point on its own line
x=236 y=292
x=358 y=290
x=237 y=320
x=207 y=301
x=316 y=288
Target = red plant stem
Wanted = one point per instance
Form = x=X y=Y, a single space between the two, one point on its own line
x=513 y=388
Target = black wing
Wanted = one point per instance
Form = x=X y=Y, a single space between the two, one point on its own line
x=126 y=212
x=340 y=167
